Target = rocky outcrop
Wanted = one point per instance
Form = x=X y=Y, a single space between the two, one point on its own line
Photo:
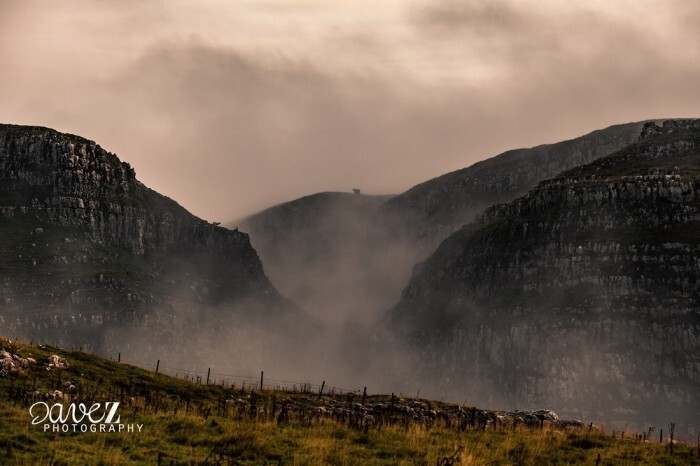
x=668 y=127
x=582 y=295
x=87 y=246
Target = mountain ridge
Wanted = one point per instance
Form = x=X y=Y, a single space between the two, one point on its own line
x=439 y=206
x=299 y=202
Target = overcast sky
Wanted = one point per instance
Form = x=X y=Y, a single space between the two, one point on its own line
x=232 y=106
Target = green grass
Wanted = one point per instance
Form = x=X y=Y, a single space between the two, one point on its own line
x=185 y=423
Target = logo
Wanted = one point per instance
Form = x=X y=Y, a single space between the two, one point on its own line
x=79 y=417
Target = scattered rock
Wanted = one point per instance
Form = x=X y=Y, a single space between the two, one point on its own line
x=376 y=413
x=13 y=364
x=55 y=361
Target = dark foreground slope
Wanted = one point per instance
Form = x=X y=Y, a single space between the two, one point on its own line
x=583 y=295
x=91 y=257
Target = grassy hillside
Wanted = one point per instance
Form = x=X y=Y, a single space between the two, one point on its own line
x=190 y=423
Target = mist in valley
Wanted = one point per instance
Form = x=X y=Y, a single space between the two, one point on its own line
x=335 y=254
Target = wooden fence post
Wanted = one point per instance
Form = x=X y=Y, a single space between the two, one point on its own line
x=208 y=374
x=320 y=392
x=261 y=379
x=157 y=365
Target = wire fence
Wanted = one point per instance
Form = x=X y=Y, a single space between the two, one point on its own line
x=242 y=381
x=207 y=377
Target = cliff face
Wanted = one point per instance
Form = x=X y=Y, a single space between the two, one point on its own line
x=86 y=247
x=582 y=295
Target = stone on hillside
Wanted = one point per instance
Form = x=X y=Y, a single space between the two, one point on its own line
x=55 y=361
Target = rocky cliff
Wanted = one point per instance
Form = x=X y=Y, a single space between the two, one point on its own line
x=86 y=248
x=583 y=295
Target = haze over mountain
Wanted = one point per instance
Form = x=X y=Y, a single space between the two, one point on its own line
x=583 y=294
x=348 y=256
x=323 y=252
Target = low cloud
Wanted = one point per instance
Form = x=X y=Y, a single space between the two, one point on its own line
x=452 y=17
x=230 y=124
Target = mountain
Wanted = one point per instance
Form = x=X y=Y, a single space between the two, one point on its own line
x=582 y=295
x=348 y=256
x=91 y=257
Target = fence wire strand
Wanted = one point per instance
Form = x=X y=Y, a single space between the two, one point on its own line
x=217 y=378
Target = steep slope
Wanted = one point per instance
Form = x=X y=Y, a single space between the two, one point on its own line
x=582 y=295
x=322 y=251
x=91 y=257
